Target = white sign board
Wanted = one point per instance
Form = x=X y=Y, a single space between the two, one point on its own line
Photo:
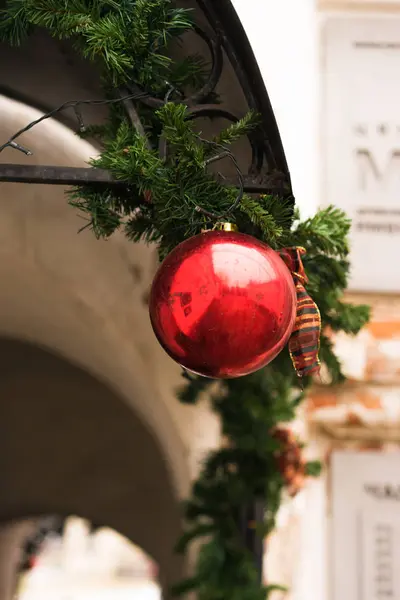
x=361 y=142
x=365 y=526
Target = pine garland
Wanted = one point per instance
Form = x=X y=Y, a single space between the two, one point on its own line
x=160 y=203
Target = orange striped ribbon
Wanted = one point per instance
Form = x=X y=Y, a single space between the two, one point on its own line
x=305 y=339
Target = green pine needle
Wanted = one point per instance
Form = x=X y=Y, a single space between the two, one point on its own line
x=326 y=232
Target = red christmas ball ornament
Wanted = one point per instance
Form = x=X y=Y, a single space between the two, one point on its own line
x=223 y=304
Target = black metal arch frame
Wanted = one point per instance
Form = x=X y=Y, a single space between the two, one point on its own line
x=268 y=172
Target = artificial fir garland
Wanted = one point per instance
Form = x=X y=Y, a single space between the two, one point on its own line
x=166 y=200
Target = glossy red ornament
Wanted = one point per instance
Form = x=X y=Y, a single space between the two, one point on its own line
x=223 y=304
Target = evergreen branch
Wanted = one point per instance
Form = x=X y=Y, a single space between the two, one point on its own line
x=313 y=468
x=237 y=130
x=15 y=25
x=140 y=227
x=63 y=19
x=191 y=72
x=348 y=318
x=195 y=386
x=326 y=232
x=100 y=43
x=281 y=209
x=263 y=219
x=331 y=361
x=201 y=530
x=98 y=211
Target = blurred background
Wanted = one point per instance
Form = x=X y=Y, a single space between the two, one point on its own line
x=70 y=558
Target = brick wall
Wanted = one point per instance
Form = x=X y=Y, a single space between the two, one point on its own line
x=371 y=362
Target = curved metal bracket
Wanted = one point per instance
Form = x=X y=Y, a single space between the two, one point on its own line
x=231 y=55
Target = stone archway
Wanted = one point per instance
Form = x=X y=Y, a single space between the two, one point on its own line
x=70 y=445
x=80 y=297
x=83 y=300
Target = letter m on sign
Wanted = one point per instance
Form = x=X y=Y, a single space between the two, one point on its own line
x=370 y=170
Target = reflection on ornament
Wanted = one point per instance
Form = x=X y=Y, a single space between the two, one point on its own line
x=223 y=304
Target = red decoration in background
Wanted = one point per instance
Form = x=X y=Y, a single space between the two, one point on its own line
x=290 y=460
x=223 y=304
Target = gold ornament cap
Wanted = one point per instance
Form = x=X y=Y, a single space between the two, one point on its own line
x=228 y=227
x=222 y=227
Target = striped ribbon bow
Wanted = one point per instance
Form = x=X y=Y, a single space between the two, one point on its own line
x=304 y=341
